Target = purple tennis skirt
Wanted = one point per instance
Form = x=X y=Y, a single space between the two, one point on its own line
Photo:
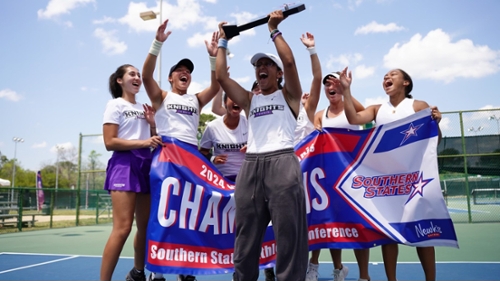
x=129 y=171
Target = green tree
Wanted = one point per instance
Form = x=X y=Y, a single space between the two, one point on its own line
x=204 y=120
x=94 y=165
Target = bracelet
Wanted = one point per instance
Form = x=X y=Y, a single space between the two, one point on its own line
x=274 y=31
x=222 y=43
x=212 y=63
x=212 y=159
x=312 y=50
x=155 y=47
x=276 y=35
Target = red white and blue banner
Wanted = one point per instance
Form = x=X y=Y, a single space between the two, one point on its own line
x=363 y=188
x=40 y=198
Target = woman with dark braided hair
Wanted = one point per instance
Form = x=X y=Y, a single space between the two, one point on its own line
x=397 y=85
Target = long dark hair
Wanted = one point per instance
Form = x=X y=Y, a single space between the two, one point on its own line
x=114 y=88
x=408 y=88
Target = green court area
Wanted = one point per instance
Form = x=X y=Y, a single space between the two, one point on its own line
x=477 y=241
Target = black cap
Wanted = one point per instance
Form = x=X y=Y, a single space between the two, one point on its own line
x=185 y=62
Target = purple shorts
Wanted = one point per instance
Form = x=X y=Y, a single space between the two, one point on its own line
x=129 y=171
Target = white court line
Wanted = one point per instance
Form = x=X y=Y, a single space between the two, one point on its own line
x=39 y=254
x=37 y=264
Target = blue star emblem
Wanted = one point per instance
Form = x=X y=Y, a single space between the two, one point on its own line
x=418 y=187
x=411 y=131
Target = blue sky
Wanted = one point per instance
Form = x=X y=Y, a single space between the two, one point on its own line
x=57 y=56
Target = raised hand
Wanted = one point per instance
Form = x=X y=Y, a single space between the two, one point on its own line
x=275 y=18
x=149 y=114
x=160 y=33
x=345 y=79
x=222 y=34
x=212 y=46
x=308 y=40
x=436 y=114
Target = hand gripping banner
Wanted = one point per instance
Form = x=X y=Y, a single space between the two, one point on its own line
x=363 y=188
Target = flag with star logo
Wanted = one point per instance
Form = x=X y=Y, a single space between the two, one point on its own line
x=370 y=186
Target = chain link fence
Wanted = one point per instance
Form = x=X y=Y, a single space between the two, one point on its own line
x=469 y=164
x=468 y=160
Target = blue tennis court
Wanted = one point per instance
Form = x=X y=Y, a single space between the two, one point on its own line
x=25 y=266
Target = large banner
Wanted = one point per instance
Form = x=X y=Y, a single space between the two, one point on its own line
x=364 y=189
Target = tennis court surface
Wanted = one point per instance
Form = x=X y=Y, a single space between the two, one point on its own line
x=75 y=254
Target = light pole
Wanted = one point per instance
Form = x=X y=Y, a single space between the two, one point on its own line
x=475 y=130
x=16 y=140
x=151 y=15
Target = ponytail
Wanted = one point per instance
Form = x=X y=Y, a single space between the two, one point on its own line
x=114 y=88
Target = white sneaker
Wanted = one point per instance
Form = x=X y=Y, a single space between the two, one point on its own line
x=340 y=274
x=312 y=272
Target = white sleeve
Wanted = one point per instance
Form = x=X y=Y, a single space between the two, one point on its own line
x=111 y=113
x=206 y=140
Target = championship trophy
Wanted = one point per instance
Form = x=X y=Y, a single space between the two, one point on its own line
x=233 y=30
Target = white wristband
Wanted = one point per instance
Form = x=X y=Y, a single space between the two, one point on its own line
x=212 y=63
x=312 y=50
x=155 y=47
x=212 y=159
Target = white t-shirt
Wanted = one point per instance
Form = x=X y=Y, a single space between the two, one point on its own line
x=304 y=125
x=178 y=117
x=388 y=113
x=271 y=124
x=129 y=117
x=226 y=141
x=339 y=121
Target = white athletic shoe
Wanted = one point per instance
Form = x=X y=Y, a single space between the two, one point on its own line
x=312 y=272
x=340 y=274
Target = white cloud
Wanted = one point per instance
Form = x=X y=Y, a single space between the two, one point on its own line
x=374 y=27
x=59 y=7
x=39 y=145
x=211 y=1
x=104 y=20
x=444 y=124
x=196 y=87
x=110 y=43
x=340 y=62
x=97 y=140
x=436 y=57
x=242 y=80
x=373 y=101
x=67 y=146
x=198 y=39
x=242 y=18
x=10 y=95
x=181 y=16
x=363 y=71
x=352 y=4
